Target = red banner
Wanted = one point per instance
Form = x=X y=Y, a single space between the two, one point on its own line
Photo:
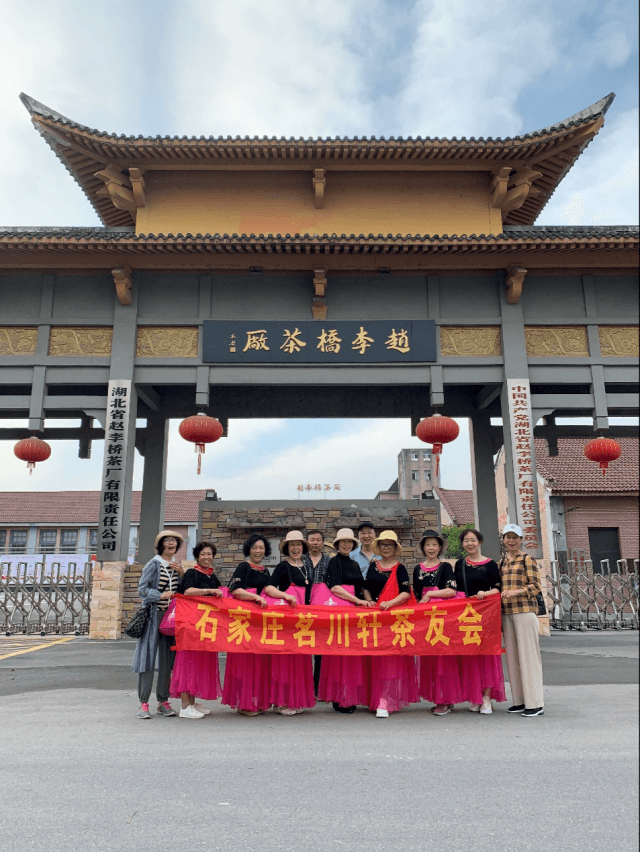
x=459 y=626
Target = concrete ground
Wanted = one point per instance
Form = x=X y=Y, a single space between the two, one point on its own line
x=79 y=771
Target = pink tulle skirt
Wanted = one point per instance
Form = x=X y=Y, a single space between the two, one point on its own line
x=481 y=672
x=394 y=679
x=440 y=680
x=197 y=673
x=292 y=681
x=345 y=680
x=247 y=681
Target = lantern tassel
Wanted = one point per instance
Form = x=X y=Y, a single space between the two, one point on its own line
x=31 y=466
x=199 y=448
x=437 y=450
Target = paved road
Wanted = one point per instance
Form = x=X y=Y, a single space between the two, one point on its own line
x=80 y=771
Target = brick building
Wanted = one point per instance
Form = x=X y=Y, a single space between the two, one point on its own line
x=584 y=515
x=66 y=522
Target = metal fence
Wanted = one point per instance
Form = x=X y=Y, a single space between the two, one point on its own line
x=43 y=599
x=582 y=598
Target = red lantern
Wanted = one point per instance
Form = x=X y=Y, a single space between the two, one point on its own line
x=200 y=429
x=32 y=450
x=603 y=450
x=437 y=430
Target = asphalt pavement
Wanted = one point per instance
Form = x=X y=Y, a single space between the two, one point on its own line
x=81 y=771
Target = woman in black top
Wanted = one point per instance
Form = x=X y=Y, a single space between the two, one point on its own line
x=434 y=580
x=344 y=679
x=197 y=672
x=247 y=676
x=292 y=674
x=394 y=682
x=481 y=675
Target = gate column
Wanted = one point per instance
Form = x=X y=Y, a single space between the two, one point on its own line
x=153 y=498
x=485 y=505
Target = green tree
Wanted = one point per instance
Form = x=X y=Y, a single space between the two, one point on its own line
x=452 y=537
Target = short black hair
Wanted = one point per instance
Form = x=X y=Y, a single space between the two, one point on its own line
x=477 y=534
x=200 y=546
x=315 y=532
x=365 y=524
x=246 y=547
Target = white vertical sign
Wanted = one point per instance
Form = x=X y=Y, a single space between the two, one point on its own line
x=110 y=523
x=524 y=473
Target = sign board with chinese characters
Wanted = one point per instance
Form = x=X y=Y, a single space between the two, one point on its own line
x=111 y=523
x=451 y=627
x=319 y=342
x=524 y=473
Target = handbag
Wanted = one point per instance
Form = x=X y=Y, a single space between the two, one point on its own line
x=321 y=595
x=296 y=591
x=138 y=623
x=168 y=623
x=542 y=608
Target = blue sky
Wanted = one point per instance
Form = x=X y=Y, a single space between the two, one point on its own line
x=296 y=67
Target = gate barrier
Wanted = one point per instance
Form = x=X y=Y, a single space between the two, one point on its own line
x=43 y=600
x=582 y=598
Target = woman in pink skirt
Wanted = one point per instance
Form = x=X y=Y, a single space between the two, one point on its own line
x=481 y=675
x=247 y=677
x=292 y=674
x=434 y=580
x=197 y=672
x=345 y=680
x=394 y=681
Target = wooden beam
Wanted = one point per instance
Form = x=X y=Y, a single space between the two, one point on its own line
x=486 y=396
x=319 y=182
x=122 y=280
x=499 y=187
x=515 y=280
x=138 y=187
x=319 y=304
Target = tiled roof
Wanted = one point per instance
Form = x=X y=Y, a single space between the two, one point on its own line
x=104 y=241
x=458 y=503
x=84 y=151
x=571 y=472
x=81 y=507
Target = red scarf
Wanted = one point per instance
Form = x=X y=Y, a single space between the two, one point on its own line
x=257 y=567
x=208 y=571
x=391 y=589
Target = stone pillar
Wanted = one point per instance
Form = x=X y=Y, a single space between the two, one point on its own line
x=152 y=506
x=106 y=600
x=485 y=505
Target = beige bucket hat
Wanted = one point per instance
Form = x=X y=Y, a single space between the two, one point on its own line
x=387 y=535
x=345 y=534
x=293 y=535
x=165 y=533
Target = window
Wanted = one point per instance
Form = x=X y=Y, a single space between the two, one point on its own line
x=47 y=541
x=3 y=540
x=68 y=541
x=415 y=475
x=93 y=540
x=18 y=541
x=426 y=455
x=427 y=476
x=414 y=455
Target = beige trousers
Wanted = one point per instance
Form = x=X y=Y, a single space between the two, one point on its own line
x=523 y=658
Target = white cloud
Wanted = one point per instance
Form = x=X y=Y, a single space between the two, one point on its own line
x=469 y=62
x=602 y=188
x=257 y=68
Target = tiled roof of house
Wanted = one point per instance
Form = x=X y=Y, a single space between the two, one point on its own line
x=458 y=503
x=570 y=471
x=81 y=507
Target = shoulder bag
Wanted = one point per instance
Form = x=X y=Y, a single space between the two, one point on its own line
x=138 y=622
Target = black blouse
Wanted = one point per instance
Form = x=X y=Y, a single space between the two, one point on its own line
x=246 y=577
x=286 y=575
x=427 y=579
x=377 y=578
x=193 y=579
x=344 y=571
x=480 y=578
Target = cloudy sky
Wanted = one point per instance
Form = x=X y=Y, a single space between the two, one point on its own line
x=302 y=68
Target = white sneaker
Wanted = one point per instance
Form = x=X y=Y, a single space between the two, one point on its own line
x=382 y=714
x=486 y=708
x=204 y=710
x=190 y=712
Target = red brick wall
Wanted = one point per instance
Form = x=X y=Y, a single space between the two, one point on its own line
x=605 y=511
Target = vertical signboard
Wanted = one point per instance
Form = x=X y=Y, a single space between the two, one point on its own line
x=110 y=524
x=523 y=460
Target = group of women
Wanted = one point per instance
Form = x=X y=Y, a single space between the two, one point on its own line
x=254 y=683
